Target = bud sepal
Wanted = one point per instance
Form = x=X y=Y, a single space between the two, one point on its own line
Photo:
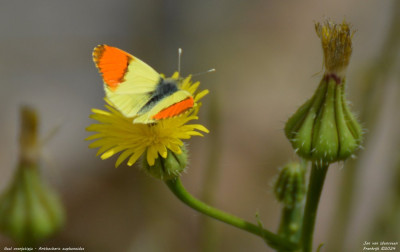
x=324 y=129
x=169 y=167
x=30 y=211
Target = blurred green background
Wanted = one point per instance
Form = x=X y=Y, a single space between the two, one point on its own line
x=268 y=61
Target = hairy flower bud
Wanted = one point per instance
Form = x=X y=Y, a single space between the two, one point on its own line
x=30 y=211
x=290 y=187
x=169 y=167
x=323 y=129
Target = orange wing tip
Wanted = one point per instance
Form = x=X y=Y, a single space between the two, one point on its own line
x=112 y=64
x=175 y=109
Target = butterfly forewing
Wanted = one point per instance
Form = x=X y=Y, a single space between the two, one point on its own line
x=128 y=80
x=136 y=89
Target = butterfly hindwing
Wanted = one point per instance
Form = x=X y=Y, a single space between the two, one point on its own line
x=169 y=106
x=128 y=104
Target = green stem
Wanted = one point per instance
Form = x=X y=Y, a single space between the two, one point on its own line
x=317 y=178
x=177 y=188
x=291 y=222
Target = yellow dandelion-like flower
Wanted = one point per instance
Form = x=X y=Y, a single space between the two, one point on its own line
x=118 y=134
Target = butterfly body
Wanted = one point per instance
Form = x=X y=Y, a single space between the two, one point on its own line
x=136 y=89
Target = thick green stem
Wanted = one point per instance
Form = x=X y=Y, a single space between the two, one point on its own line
x=317 y=178
x=177 y=188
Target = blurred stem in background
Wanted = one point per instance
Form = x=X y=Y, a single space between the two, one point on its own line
x=386 y=226
x=387 y=222
x=372 y=90
x=209 y=233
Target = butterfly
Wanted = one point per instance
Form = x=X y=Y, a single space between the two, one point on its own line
x=136 y=89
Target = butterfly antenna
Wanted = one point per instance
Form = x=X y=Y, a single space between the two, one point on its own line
x=179 y=60
x=208 y=71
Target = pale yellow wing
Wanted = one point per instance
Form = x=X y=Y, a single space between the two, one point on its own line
x=169 y=106
x=128 y=80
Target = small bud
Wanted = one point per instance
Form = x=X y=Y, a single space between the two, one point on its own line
x=290 y=187
x=323 y=129
x=167 y=168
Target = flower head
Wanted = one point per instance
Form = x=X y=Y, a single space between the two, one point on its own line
x=117 y=133
x=337 y=45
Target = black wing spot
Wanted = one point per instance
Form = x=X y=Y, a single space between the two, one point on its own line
x=165 y=87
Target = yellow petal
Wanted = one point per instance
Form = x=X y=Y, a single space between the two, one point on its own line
x=123 y=156
x=112 y=151
x=162 y=150
x=152 y=155
x=95 y=136
x=201 y=95
x=101 y=112
x=175 y=148
x=192 y=89
x=134 y=157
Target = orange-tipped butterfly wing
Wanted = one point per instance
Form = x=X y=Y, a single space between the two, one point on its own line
x=136 y=89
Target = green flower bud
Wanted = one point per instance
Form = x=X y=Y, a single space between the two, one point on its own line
x=30 y=211
x=290 y=188
x=323 y=129
x=167 y=168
